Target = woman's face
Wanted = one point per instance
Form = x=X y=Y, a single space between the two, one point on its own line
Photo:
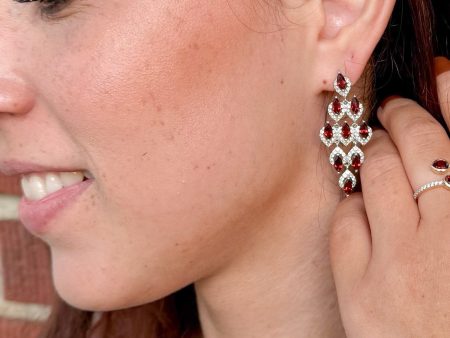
x=187 y=115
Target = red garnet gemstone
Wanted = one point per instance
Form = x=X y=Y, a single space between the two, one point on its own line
x=348 y=186
x=336 y=106
x=355 y=105
x=342 y=84
x=328 y=131
x=441 y=165
x=447 y=179
x=346 y=132
x=338 y=165
x=364 y=130
x=356 y=161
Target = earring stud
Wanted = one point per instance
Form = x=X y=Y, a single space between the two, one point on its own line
x=346 y=137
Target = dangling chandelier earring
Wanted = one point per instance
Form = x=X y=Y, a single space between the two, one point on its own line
x=348 y=134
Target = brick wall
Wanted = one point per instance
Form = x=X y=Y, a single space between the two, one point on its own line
x=25 y=281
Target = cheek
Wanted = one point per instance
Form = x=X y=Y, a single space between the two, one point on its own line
x=167 y=110
x=161 y=113
x=179 y=148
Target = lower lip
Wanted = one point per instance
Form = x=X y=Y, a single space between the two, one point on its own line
x=36 y=215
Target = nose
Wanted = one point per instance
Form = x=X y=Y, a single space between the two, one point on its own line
x=16 y=97
x=16 y=91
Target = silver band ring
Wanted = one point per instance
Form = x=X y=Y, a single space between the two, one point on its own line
x=439 y=166
x=435 y=184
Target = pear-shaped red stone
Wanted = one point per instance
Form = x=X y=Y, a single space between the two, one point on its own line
x=338 y=164
x=441 y=164
x=346 y=132
x=356 y=161
x=348 y=186
x=354 y=106
x=328 y=131
x=342 y=84
x=364 y=130
x=336 y=106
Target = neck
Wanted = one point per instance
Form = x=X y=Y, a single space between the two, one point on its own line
x=281 y=284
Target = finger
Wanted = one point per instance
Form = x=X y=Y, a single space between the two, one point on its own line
x=442 y=69
x=349 y=244
x=392 y=212
x=420 y=140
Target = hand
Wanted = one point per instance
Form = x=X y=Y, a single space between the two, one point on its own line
x=390 y=255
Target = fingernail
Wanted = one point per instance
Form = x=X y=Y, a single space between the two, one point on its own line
x=389 y=98
x=441 y=65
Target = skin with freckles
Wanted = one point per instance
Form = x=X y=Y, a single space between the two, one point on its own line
x=160 y=107
x=199 y=122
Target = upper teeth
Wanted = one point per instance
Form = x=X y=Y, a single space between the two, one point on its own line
x=36 y=186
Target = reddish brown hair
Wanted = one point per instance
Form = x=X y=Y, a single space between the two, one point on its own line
x=402 y=64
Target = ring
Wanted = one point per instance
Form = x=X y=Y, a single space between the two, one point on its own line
x=439 y=166
x=443 y=183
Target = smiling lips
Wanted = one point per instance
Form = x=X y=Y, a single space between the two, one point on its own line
x=36 y=215
x=37 y=186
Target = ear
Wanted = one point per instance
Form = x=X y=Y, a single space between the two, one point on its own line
x=350 y=32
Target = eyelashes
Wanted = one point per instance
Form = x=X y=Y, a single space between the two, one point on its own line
x=52 y=7
x=49 y=8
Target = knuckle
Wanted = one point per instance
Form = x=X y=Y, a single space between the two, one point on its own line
x=381 y=154
x=412 y=120
x=422 y=128
x=426 y=134
x=395 y=109
x=399 y=103
x=379 y=134
x=380 y=140
x=379 y=166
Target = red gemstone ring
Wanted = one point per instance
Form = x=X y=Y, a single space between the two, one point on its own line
x=439 y=166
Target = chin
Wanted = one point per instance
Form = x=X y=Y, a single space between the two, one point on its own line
x=92 y=300
x=87 y=297
x=104 y=293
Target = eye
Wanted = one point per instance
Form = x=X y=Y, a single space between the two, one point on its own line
x=49 y=8
x=52 y=7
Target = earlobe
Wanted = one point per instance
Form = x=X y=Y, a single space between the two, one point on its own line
x=350 y=32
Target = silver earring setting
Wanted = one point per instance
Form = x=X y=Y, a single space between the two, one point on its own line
x=348 y=135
